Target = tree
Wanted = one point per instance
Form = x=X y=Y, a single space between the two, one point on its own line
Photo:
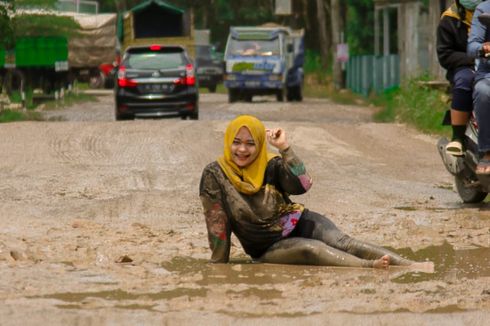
x=337 y=29
x=323 y=37
x=360 y=31
x=7 y=35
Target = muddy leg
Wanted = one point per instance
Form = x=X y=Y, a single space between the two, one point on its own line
x=315 y=226
x=302 y=251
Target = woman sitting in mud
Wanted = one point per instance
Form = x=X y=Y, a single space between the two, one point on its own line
x=246 y=192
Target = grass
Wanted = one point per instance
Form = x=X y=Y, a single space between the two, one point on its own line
x=414 y=103
x=14 y=115
x=48 y=103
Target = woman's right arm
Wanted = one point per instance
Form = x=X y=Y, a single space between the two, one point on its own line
x=476 y=38
x=293 y=177
x=217 y=223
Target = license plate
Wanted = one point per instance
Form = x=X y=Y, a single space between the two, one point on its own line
x=252 y=83
x=156 y=88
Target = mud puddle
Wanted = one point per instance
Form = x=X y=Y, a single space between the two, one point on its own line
x=258 y=280
x=449 y=263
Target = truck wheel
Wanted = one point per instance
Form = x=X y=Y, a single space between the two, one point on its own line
x=280 y=95
x=291 y=94
x=232 y=96
x=295 y=93
x=299 y=94
x=97 y=81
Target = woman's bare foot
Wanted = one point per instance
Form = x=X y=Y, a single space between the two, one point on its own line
x=382 y=263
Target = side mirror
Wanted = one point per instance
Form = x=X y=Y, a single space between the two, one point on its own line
x=484 y=18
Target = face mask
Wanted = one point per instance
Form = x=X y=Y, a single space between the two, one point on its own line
x=470 y=4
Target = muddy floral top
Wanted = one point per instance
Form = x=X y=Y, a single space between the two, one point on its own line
x=260 y=219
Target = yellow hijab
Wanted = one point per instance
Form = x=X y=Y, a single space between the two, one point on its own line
x=249 y=179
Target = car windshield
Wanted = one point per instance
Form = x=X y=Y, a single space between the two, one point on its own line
x=155 y=60
x=254 y=47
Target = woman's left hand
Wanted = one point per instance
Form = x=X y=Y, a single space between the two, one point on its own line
x=277 y=138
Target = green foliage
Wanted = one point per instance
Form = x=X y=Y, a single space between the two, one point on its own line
x=313 y=66
x=312 y=62
x=414 y=103
x=36 y=3
x=360 y=27
x=44 y=25
x=7 y=35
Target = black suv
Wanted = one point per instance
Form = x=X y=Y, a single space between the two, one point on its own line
x=156 y=81
x=209 y=67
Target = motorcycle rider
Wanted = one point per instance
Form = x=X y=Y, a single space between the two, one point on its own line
x=478 y=46
x=452 y=39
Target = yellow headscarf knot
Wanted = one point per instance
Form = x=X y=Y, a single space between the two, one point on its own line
x=247 y=180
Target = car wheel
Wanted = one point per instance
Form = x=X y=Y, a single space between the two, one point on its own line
x=212 y=89
x=194 y=116
x=120 y=117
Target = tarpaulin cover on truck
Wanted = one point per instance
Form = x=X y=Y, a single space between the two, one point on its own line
x=96 y=42
x=152 y=19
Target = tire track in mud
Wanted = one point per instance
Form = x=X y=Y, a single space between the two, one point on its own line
x=78 y=145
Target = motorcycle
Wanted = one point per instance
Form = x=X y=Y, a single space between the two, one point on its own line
x=472 y=188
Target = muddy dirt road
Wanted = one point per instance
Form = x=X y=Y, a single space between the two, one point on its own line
x=101 y=223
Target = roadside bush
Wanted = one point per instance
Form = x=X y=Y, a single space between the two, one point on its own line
x=414 y=103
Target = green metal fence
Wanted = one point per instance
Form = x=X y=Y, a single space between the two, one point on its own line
x=369 y=73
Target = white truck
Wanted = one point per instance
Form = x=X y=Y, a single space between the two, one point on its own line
x=264 y=60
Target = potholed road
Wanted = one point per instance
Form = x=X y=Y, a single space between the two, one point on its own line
x=101 y=223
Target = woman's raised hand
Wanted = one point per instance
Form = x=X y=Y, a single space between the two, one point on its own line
x=277 y=138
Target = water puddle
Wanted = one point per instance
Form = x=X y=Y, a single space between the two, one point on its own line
x=241 y=271
x=449 y=264
x=119 y=295
x=257 y=280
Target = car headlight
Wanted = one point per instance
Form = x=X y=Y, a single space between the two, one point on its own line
x=274 y=77
x=230 y=77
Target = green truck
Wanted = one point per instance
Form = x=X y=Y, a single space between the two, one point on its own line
x=40 y=61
